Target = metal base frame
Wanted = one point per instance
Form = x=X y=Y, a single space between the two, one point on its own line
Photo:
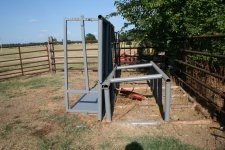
x=155 y=80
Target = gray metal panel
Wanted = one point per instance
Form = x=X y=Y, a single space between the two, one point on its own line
x=81 y=91
x=87 y=103
x=136 y=78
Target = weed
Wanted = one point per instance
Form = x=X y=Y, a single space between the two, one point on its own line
x=5 y=130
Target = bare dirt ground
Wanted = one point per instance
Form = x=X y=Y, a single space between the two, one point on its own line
x=35 y=118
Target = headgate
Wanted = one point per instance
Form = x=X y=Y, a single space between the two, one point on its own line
x=93 y=100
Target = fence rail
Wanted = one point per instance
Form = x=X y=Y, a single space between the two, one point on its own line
x=19 y=61
x=201 y=71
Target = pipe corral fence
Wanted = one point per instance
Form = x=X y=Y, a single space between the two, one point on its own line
x=101 y=98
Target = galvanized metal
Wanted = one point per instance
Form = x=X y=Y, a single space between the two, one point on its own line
x=165 y=77
x=136 y=78
x=134 y=66
x=100 y=61
x=167 y=109
x=66 y=66
x=84 y=53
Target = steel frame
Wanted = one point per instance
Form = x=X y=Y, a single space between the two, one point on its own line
x=92 y=99
x=156 y=85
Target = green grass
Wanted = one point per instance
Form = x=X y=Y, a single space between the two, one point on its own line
x=18 y=86
x=146 y=143
x=158 y=143
x=5 y=130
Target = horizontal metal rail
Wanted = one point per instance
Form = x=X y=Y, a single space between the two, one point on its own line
x=41 y=50
x=61 y=57
x=35 y=57
x=11 y=73
x=10 y=60
x=200 y=95
x=35 y=66
x=71 y=50
x=216 y=91
x=134 y=66
x=79 y=19
x=9 y=54
x=204 y=53
x=9 y=65
x=74 y=68
x=75 y=63
x=32 y=62
x=136 y=78
x=200 y=69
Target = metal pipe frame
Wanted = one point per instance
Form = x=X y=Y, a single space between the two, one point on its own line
x=156 y=85
x=100 y=49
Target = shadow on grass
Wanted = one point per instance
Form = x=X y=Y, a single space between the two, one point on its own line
x=134 y=146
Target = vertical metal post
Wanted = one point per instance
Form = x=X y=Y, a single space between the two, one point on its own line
x=159 y=98
x=167 y=109
x=21 y=62
x=66 y=65
x=107 y=105
x=84 y=53
x=100 y=49
x=107 y=51
x=155 y=89
x=49 y=55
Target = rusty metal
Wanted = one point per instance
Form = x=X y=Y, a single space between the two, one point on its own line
x=32 y=62
x=34 y=70
x=219 y=109
x=216 y=91
x=35 y=66
x=200 y=69
x=41 y=56
x=204 y=53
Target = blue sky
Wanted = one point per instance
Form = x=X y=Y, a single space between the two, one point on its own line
x=24 y=21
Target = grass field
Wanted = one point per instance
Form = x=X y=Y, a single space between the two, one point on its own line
x=32 y=116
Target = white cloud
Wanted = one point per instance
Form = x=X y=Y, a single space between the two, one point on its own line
x=33 y=20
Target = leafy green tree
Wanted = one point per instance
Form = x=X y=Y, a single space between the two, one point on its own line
x=163 y=21
x=90 y=37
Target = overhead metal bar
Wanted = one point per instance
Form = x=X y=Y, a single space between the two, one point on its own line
x=136 y=78
x=134 y=66
x=79 y=19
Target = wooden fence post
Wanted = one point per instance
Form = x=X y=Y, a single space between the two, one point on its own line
x=21 y=62
x=51 y=55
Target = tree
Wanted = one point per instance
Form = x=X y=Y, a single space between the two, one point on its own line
x=90 y=37
x=163 y=21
